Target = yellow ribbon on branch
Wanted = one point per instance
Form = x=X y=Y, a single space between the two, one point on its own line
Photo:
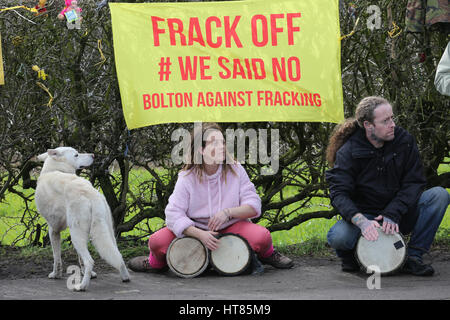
x=19 y=7
x=392 y=33
x=102 y=56
x=2 y=77
x=43 y=87
x=352 y=32
x=41 y=73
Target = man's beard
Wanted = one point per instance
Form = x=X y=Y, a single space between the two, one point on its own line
x=376 y=139
x=380 y=140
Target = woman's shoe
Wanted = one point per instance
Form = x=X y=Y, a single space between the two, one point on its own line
x=277 y=260
x=141 y=264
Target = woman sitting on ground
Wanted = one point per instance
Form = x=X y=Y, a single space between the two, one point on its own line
x=213 y=195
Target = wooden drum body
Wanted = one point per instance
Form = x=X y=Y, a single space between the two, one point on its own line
x=233 y=256
x=388 y=252
x=187 y=257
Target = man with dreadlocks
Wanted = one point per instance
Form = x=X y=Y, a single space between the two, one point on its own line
x=376 y=184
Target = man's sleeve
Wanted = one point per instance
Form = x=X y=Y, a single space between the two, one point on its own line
x=442 y=79
x=341 y=182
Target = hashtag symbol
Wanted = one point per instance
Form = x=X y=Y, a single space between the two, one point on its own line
x=164 y=69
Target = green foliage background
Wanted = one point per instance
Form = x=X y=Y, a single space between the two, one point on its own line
x=86 y=113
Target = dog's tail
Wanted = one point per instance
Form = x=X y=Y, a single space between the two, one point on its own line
x=102 y=236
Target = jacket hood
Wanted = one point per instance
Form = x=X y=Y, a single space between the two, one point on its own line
x=216 y=175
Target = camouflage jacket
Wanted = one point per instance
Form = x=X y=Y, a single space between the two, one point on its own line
x=421 y=14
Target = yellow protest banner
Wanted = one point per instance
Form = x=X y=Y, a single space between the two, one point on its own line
x=2 y=75
x=228 y=61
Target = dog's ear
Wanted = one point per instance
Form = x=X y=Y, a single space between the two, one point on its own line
x=53 y=153
x=42 y=156
x=49 y=153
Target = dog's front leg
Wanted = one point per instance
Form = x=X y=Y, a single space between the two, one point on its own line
x=55 y=240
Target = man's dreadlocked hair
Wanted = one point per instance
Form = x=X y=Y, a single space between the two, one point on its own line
x=364 y=112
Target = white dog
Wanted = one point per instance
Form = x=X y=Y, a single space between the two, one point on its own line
x=66 y=200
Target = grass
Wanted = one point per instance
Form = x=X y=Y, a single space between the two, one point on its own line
x=315 y=229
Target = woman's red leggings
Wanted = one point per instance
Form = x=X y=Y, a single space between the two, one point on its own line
x=257 y=236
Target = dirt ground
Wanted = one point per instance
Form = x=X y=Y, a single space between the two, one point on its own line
x=14 y=266
x=312 y=277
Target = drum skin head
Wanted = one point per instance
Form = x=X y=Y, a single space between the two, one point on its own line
x=388 y=252
x=233 y=255
x=187 y=257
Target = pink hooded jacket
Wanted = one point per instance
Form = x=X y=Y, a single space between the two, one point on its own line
x=192 y=202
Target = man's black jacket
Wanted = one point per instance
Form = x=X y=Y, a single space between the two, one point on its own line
x=387 y=181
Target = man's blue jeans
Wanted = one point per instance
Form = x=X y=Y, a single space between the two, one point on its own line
x=431 y=206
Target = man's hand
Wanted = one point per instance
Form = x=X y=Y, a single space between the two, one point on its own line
x=389 y=226
x=368 y=227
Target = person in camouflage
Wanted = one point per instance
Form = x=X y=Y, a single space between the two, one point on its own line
x=421 y=14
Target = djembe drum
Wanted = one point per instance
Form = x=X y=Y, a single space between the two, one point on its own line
x=233 y=256
x=388 y=252
x=187 y=257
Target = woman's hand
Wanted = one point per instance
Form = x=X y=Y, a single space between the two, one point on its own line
x=218 y=219
x=208 y=239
